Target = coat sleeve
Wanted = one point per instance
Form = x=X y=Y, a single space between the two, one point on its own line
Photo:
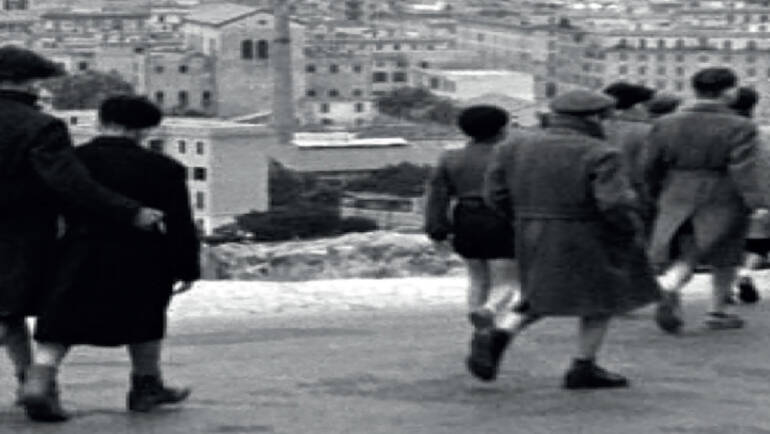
x=745 y=167
x=653 y=167
x=181 y=231
x=53 y=158
x=439 y=191
x=613 y=194
x=496 y=193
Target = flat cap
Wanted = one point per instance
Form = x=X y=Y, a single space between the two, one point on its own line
x=18 y=63
x=581 y=102
x=130 y=111
x=628 y=95
x=747 y=99
x=663 y=103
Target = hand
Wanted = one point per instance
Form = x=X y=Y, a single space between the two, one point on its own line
x=150 y=219
x=181 y=287
x=761 y=213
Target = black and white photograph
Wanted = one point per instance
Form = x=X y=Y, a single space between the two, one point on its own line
x=385 y=216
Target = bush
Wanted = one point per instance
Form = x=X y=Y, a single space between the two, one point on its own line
x=405 y=179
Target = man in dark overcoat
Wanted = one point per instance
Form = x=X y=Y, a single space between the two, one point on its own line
x=702 y=168
x=38 y=171
x=627 y=129
x=578 y=235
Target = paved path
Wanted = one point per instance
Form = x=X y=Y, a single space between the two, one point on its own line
x=386 y=357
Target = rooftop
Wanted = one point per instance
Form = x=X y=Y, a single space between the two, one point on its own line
x=219 y=14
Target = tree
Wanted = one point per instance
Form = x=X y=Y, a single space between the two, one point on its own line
x=418 y=104
x=405 y=179
x=86 y=90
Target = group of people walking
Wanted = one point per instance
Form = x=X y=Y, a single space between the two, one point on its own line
x=94 y=241
x=609 y=206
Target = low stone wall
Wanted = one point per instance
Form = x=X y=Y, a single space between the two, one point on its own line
x=378 y=254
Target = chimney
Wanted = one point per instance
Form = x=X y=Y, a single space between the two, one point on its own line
x=283 y=86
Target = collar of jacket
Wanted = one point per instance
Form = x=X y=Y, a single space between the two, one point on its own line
x=709 y=107
x=631 y=115
x=113 y=141
x=25 y=98
x=575 y=124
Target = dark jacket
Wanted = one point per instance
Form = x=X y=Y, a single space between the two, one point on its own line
x=38 y=172
x=703 y=170
x=576 y=220
x=114 y=282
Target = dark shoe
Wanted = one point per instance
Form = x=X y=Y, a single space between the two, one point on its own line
x=585 y=374
x=40 y=395
x=724 y=321
x=148 y=392
x=668 y=315
x=487 y=348
x=747 y=291
x=482 y=318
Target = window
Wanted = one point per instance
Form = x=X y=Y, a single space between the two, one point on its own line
x=680 y=57
x=263 y=51
x=327 y=121
x=750 y=59
x=402 y=64
x=424 y=65
x=182 y=146
x=199 y=173
x=399 y=77
x=642 y=43
x=334 y=93
x=310 y=68
x=206 y=98
x=357 y=92
x=200 y=200
x=751 y=45
x=703 y=59
x=159 y=69
x=623 y=69
x=480 y=37
x=680 y=43
x=199 y=148
x=380 y=77
x=82 y=66
x=183 y=98
x=359 y=107
x=661 y=57
x=679 y=71
x=183 y=69
x=679 y=86
x=661 y=70
x=334 y=69
x=324 y=108
x=157 y=145
x=397 y=47
x=434 y=83
x=661 y=43
x=727 y=45
x=357 y=69
x=159 y=97
x=310 y=93
x=751 y=72
x=642 y=70
x=623 y=56
x=247 y=49
x=661 y=84
x=642 y=57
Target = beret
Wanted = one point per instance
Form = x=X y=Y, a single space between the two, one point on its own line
x=482 y=121
x=581 y=101
x=714 y=79
x=18 y=63
x=130 y=111
x=663 y=103
x=628 y=95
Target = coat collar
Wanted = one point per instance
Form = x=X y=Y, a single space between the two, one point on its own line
x=631 y=115
x=709 y=107
x=25 y=98
x=573 y=124
x=112 y=141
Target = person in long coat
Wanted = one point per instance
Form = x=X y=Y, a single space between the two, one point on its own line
x=627 y=129
x=578 y=231
x=113 y=283
x=758 y=236
x=482 y=237
x=702 y=169
x=38 y=173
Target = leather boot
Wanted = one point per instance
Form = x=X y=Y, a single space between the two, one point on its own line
x=487 y=348
x=40 y=395
x=585 y=374
x=148 y=392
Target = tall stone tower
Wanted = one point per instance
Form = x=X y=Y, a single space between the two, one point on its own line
x=283 y=97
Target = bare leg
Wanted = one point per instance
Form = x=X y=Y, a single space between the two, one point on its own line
x=504 y=275
x=584 y=372
x=591 y=333
x=18 y=344
x=478 y=283
x=722 y=279
x=40 y=394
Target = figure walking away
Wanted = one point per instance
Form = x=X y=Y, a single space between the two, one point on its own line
x=758 y=237
x=114 y=283
x=483 y=237
x=38 y=172
x=702 y=169
x=579 y=236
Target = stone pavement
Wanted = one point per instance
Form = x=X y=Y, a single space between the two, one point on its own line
x=387 y=357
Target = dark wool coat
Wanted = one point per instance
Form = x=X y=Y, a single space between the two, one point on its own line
x=114 y=282
x=38 y=171
x=628 y=132
x=703 y=169
x=578 y=232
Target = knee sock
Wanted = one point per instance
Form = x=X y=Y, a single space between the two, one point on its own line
x=145 y=358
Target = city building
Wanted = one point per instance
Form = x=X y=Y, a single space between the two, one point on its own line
x=465 y=84
x=180 y=81
x=108 y=25
x=240 y=39
x=227 y=162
